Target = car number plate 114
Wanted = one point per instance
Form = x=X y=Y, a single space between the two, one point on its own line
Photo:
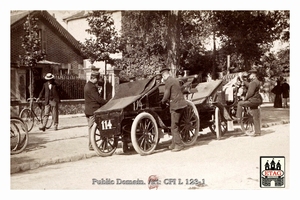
x=106 y=124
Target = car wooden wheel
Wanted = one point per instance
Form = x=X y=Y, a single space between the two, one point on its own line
x=144 y=133
x=189 y=124
x=103 y=145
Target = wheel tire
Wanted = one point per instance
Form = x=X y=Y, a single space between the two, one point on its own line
x=50 y=121
x=104 y=146
x=247 y=123
x=189 y=124
x=20 y=127
x=27 y=117
x=219 y=127
x=144 y=133
x=14 y=137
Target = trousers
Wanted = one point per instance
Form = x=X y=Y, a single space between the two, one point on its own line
x=175 y=117
x=254 y=111
x=90 y=120
x=54 y=109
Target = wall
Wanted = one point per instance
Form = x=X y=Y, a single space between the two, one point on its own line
x=66 y=107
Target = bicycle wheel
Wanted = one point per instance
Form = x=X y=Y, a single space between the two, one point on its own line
x=18 y=127
x=27 y=117
x=14 y=136
x=247 y=123
x=50 y=117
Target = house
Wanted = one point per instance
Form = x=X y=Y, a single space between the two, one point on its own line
x=63 y=55
x=77 y=24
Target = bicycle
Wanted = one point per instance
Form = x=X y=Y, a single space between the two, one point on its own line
x=28 y=115
x=246 y=122
x=18 y=135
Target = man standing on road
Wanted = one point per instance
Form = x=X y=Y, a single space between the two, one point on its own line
x=285 y=93
x=93 y=101
x=177 y=101
x=252 y=99
x=51 y=91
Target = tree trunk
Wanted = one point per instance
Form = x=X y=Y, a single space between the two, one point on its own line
x=173 y=41
x=213 y=73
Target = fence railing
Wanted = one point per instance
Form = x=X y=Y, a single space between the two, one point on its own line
x=71 y=87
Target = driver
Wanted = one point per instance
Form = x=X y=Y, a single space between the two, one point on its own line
x=177 y=101
x=252 y=99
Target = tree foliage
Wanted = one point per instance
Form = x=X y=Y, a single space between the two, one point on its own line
x=251 y=33
x=104 y=39
x=276 y=64
x=31 y=43
x=143 y=42
x=152 y=39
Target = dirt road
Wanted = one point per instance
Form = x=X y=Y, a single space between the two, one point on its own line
x=231 y=163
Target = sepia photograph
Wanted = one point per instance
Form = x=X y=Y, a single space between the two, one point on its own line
x=151 y=99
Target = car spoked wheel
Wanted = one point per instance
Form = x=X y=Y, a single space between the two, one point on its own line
x=189 y=124
x=144 y=133
x=103 y=145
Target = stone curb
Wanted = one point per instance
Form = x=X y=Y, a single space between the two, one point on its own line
x=57 y=160
x=275 y=123
x=45 y=162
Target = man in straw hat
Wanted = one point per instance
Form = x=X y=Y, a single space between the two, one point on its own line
x=174 y=95
x=93 y=101
x=50 y=91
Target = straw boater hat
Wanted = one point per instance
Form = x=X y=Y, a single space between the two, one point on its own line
x=49 y=76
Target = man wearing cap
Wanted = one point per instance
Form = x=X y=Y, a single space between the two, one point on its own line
x=252 y=99
x=50 y=91
x=174 y=95
x=93 y=101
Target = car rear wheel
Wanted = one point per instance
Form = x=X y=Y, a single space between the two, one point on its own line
x=189 y=124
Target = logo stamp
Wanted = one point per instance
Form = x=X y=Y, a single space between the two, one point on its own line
x=153 y=182
x=272 y=171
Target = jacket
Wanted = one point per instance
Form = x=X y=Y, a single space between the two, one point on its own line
x=252 y=94
x=52 y=94
x=93 y=99
x=174 y=94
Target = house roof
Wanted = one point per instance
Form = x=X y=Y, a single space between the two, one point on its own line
x=16 y=19
x=82 y=14
x=79 y=15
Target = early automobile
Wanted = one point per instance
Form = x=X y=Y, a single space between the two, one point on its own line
x=135 y=116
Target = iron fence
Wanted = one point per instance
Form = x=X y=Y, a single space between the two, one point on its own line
x=70 y=86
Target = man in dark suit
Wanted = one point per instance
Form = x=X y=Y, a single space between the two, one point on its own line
x=93 y=101
x=50 y=91
x=174 y=95
x=252 y=99
x=285 y=93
